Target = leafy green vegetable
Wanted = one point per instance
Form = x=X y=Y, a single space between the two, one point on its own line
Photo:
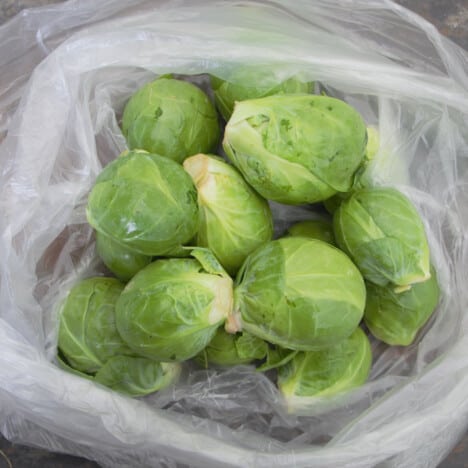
x=88 y=336
x=123 y=262
x=144 y=202
x=395 y=318
x=226 y=349
x=383 y=233
x=137 y=376
x=172 y=308
x=296 y=149
x=299 y=294
x=172 y=118
x=133 y=376
x=327 y=372
x=252 y=83
x=313 y=229
x=234 y=219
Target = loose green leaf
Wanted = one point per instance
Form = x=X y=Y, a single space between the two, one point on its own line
x=277 y=357
x=208 y=261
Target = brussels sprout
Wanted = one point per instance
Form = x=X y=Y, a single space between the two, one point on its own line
x=144 y=202
x=298 y=293
x=382 y=232
x=88 y=336
x=137 y=376
x=172 y=118
x=134 y=376
x=314 y=229
x=296 y=149
x=171 y=309
x=252 y=83
x=395 y=318
x=226 y=349
x=324 y=373
x=234 y=219
x=123 y=262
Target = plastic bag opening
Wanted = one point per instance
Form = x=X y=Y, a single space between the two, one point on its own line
x=62 y=127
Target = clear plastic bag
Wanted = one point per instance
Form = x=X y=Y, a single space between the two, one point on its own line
x=66 y=72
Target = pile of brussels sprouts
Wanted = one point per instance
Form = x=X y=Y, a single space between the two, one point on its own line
x=188 y=235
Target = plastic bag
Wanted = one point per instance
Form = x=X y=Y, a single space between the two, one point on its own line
x=66 y=72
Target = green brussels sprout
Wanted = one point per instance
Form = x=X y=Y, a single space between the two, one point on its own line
x=395 y=318
x=172 y=118
x=133 y=376
x=298 y=293
x=314 y=229
x=327 y=372
x=137 y=376
x=234 y=219
x=226 y=349
x=382 y=232
x=296 y=149
x=144 y=202
x=170 y=310
x=252 y=83
x=123 y=262
x=88 y=336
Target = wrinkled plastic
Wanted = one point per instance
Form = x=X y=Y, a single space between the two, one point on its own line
x=66 y=72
